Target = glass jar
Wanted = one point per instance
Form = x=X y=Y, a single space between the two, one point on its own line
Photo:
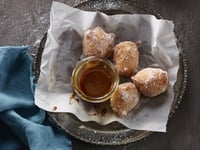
x=95 y=79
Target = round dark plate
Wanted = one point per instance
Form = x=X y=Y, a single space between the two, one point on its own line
x=114 y=133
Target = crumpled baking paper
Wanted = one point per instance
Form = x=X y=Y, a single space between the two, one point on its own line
x=63 y=50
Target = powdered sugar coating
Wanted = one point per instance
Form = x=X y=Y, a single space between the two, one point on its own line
x=126 y=58
x=125 y=99
x=97 y=42
x=151 y=81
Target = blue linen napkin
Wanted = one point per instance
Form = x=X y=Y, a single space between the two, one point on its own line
x=22 y=124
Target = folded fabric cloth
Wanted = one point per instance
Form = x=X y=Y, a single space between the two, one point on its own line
x=22 y=124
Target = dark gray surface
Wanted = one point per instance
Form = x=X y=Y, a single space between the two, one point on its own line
x=24 y=22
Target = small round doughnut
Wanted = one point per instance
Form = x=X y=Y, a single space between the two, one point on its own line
x=125 y=99
x=126 y=58
x=97 y=42
x=151 y=81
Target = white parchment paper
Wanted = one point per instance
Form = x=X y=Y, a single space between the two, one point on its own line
x=63 y=50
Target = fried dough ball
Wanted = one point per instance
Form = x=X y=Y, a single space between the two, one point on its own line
x=126 y=58
x=124 y=99
x=97 y=42
x=151 y=81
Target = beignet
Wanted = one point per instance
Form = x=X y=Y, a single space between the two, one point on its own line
x=97 y=42
x=151 y=81
x=126 y=58
x=124 y=99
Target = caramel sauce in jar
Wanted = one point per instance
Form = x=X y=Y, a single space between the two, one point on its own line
x=94 y=79
x=95 y=82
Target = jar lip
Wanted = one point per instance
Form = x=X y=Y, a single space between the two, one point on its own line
x=80 y=93
x=93 y=58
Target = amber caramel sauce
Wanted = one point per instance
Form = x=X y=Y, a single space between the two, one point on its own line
x=96 y=82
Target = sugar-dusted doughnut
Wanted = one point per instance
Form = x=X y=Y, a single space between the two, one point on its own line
x=125 y=99
x=97 y=42
x=151 y=81
x=126 y=58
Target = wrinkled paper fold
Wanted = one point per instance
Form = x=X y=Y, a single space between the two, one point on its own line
x=63 y=50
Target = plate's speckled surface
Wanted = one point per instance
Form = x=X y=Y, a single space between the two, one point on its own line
x=114 y=133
